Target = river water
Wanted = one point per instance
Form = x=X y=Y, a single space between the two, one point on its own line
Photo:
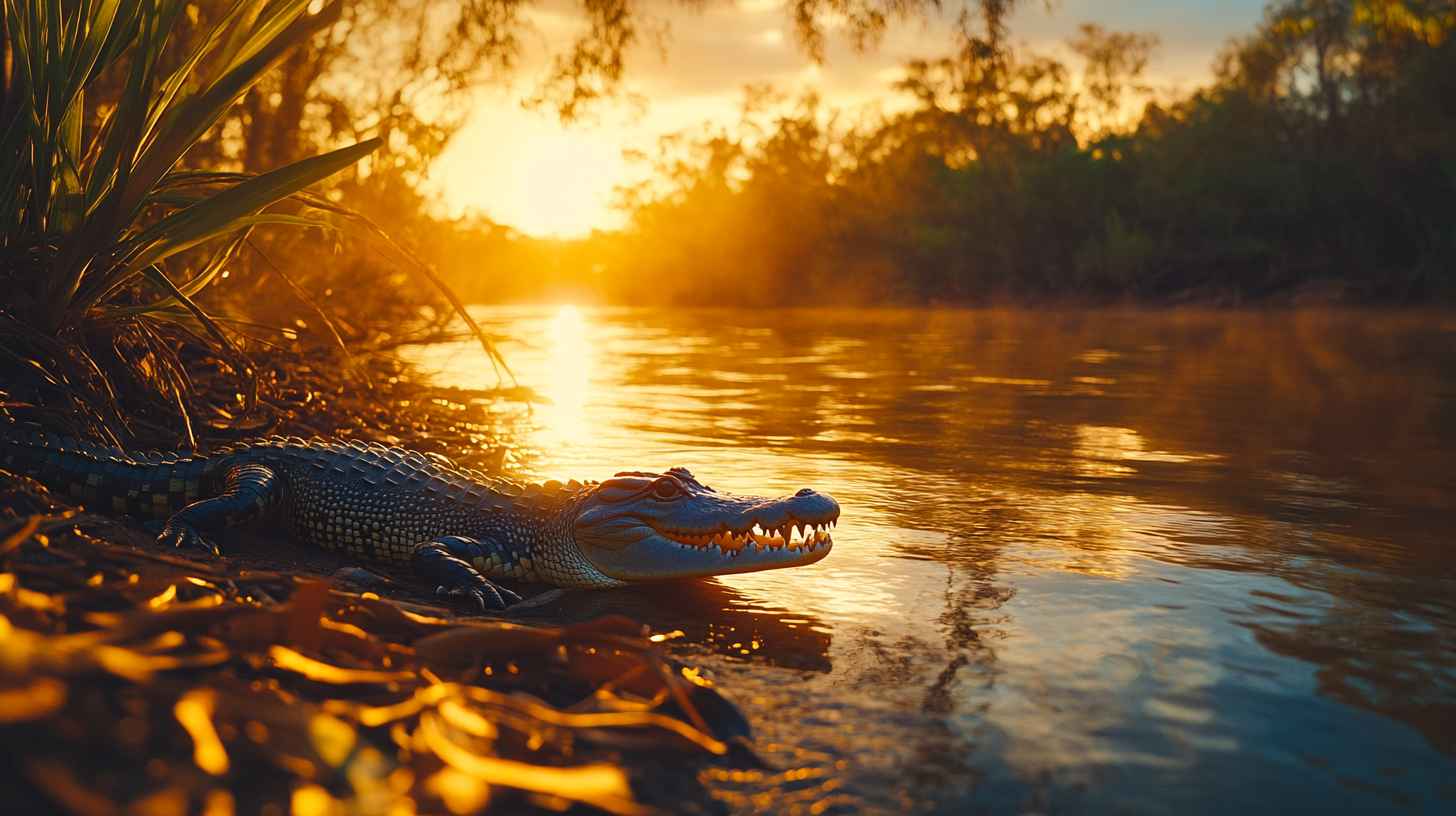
x=1107 y=562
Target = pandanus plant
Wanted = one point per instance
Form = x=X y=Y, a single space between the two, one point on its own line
x=110 y=237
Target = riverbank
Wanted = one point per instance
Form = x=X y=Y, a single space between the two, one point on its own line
x=600 y=271
x=280 y=679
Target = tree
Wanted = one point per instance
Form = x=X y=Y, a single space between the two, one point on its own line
x=1111 y=79
x=1320 y=162
x=1329 y=54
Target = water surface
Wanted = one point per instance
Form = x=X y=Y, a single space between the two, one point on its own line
x=1109 y=562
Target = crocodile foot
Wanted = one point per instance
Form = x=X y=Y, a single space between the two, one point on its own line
x=484 y=597
x=435 y=565
x=182 y=534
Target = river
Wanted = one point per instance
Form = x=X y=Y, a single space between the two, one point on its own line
x=1104 y=562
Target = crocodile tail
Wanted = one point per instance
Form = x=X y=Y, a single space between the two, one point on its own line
x=106 y=480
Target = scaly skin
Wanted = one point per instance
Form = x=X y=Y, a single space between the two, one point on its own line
x=456 y=527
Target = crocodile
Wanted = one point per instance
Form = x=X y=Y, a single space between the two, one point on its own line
x=457 y=528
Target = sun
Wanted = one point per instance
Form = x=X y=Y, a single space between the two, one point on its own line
x=530 y=173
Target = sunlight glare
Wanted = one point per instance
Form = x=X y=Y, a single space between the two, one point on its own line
x=570 y=368
x=530 y=173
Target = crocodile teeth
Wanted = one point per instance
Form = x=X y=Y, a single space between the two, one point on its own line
x=792 y=534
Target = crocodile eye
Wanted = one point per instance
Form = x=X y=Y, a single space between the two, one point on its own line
x=666 y=489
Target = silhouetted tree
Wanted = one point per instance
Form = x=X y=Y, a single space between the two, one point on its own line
x=1319 y=162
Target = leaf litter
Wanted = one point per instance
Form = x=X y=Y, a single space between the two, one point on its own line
x=134 y=682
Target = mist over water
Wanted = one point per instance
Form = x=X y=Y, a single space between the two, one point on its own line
x=1088 y=562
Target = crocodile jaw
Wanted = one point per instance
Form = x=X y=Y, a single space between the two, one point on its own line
x=640 y=527
x=661 y=556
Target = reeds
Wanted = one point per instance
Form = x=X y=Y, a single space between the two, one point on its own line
x=106 y=243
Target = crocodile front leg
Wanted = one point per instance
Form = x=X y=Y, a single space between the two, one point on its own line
x=249 y=492
x=445 y=563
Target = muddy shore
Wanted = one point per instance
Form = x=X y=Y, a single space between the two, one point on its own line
x=281 y=678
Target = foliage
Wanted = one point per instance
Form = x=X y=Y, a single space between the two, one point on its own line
x=397 y=69
x=110 y=244
x=404 y=70
x=105 y=244
x=1111 y=78
x=1318 y=165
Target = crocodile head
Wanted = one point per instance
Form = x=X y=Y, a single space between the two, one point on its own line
x=662 y=526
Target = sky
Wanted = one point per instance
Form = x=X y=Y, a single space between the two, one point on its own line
x=523 y=168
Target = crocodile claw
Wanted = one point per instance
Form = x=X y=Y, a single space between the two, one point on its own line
x=484 y=597
x=182 y=534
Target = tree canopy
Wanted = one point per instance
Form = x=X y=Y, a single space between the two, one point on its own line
x=1319 y=164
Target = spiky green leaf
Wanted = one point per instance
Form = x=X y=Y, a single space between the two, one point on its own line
x=206 y=217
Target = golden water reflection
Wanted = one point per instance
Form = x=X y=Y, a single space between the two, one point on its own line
x=1184 y=561
x=569 y=369
x=1100 y=448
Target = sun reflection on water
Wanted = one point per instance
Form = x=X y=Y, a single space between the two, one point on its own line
x=1139 y=580
x=570 y=370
